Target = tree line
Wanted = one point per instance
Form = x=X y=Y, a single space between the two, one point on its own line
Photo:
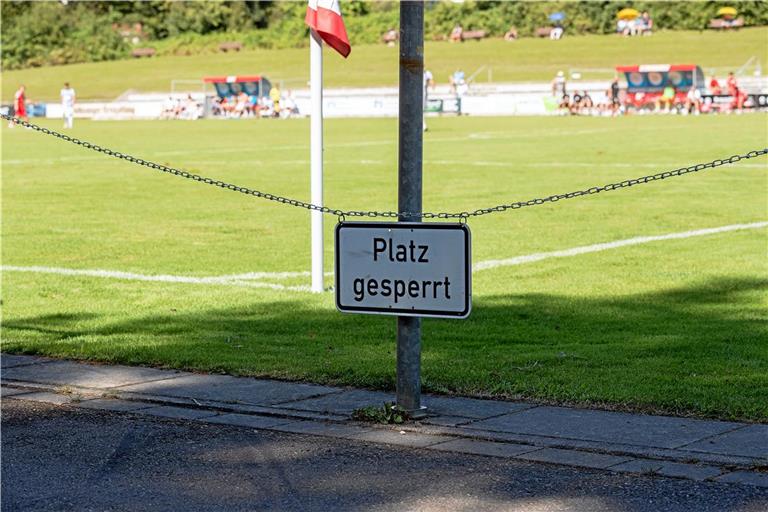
x=50 y=33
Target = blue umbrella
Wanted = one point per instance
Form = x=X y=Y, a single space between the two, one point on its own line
x=558 y=16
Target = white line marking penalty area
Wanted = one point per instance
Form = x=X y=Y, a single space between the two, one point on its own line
x=530 y=258
x=254 y=279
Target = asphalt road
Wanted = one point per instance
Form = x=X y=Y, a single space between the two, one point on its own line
x=62 y=458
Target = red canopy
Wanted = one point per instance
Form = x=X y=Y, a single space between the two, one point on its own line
x=231 y=79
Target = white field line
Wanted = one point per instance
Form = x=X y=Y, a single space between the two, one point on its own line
x=251 y=279
x=530 y=258
x=131 y=276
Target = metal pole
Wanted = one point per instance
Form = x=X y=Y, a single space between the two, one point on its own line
x=410 y=189
x=316 y=157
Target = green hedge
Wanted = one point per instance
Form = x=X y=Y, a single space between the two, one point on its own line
x=47 y=33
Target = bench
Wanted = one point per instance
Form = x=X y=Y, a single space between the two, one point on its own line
x=234 y=46
x=721 y=24
x=473 y=34
x=543 y=31
x=142 y=52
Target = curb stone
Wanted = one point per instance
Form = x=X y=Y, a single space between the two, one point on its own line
x=309 y=410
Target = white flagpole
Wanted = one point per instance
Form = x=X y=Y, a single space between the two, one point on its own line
x=316 y=156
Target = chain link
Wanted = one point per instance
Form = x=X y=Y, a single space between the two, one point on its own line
x=342 y=214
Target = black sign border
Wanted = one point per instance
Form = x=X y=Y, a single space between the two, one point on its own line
x=407 y=312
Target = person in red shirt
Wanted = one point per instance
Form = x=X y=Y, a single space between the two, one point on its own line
x=19 y=105
x=737 y=95
x=714 y=86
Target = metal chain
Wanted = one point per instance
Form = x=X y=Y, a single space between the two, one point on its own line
x=342 y=214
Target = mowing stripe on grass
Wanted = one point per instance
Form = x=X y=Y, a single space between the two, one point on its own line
x=252 y=279
x=530 y=258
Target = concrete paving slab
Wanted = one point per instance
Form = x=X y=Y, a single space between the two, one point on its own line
x=410 y=439
x=351 y=399
x=666 y=468
x=246 y=420
x=342 y=403
x=745 y=477
x=46 y=397
x=86 y=375
x=750 y=441
x=604 y=426
x=112 y=404
x=445 y=421
x=484 y=448
x=322 y=429
x=12 y=360
x=168 y=411
x=574 y=458
x=225 y=388
x=6 y=391
x=471 y=407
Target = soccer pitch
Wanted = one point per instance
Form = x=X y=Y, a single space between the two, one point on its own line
x=674 y=325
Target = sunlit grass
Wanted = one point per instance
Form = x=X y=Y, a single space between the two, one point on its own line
x=674 y=325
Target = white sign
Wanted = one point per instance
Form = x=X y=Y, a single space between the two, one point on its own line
x=405 y=269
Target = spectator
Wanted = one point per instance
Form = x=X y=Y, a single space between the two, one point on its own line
x=645 y=25
x=556 y=32
x=458 y=83
x=623 y=27
x=266 y=106
x=667 y=99
x=289 y=107
x=576 y=103
x=714 y=86
x=693 y=101
x=241 y=104
x=227 y=105
x=274 y=94
x=457 y=34
x=559 y=85
x=564 y=107
x=178 y=108
x=191 y=109
x=390 y=36
x=613 y=96
x=511 y=34
x=586 y=103
x=429 y=81
x=169 y=106
x=253 y=105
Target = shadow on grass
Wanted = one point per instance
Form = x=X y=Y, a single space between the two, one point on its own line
x=702 y=348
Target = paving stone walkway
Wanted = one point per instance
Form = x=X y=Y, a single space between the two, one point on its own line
x=728 y=452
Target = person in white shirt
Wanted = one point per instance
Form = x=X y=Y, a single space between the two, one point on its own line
x=429 y=81
x=68 y=105
x=693 y=101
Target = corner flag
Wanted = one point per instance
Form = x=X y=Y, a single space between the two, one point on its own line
x=324 y=17
x=326 y=25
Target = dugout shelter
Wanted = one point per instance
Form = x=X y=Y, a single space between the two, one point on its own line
x=646 y=82
x=229 y=86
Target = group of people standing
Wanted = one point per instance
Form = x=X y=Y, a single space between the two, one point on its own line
x=67 y=95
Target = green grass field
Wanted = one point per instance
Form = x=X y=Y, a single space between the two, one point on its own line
x=675 y=326
x=369 y=65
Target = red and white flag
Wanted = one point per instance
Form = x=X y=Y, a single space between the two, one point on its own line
x=324 y=17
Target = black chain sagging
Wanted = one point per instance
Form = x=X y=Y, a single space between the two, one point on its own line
x=389 y=214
